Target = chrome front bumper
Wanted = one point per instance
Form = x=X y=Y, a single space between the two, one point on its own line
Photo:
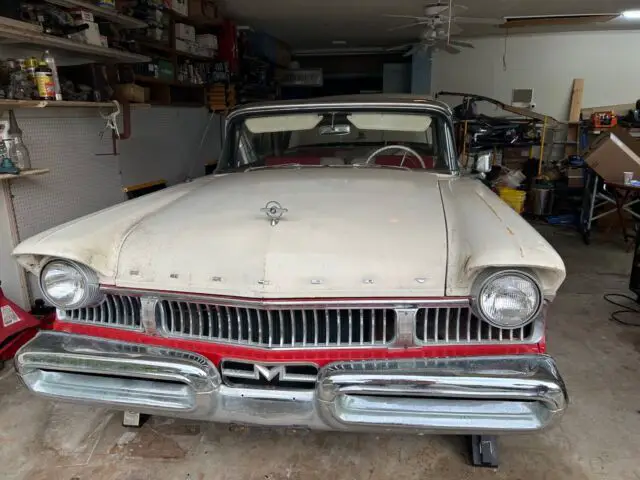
x=510 y=394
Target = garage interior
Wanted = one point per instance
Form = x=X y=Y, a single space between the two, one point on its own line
x=116 y=99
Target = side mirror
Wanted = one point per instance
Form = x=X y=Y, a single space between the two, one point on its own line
x=483 y=163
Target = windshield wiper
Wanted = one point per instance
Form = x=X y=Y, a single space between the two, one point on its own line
x=375 y=165
x=284 y=165
x=350 y=165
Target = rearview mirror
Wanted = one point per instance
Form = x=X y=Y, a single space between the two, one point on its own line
x=483 y=163
x=341 y=129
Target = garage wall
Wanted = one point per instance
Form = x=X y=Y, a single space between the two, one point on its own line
x=86 y=177
x=547 y=63
x=166 y=144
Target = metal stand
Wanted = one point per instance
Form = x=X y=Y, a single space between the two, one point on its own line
x=133 y=419
x=484 y=451
x=596 y=197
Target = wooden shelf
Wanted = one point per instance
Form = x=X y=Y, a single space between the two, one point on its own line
x=193 y=56
x=93 y=52
x=172 y=51
x=160 y=81
x=109 y=14
x=195 y=21
x=161 y=47
x=13 y=104
x=24 y=173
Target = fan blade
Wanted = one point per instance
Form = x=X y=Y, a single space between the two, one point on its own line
x=407 y=25
x=412 y=17
x=557 y=20
x=439 y=8
x=435 y=9
x=479 y=21
x=443 y=45
x=398 y=47
x=458 y=43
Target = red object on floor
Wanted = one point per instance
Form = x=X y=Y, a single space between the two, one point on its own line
x=17 y=327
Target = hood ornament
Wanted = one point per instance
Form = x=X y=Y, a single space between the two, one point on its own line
x=274 y=212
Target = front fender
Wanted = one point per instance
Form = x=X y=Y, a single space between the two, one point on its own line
x=483 y=231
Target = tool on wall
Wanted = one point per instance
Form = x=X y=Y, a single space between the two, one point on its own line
x=111 y=125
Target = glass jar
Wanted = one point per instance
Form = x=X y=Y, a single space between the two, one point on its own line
x=19 y=154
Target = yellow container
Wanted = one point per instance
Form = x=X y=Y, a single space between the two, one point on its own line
x=514 y=198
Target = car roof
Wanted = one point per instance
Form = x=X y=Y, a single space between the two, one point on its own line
x=382 y=99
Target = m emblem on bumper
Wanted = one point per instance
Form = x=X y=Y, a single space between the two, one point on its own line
x=269 y=373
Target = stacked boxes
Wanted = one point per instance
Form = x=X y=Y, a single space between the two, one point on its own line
x=91 y=35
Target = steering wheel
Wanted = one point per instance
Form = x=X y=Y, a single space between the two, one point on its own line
x=396 y=147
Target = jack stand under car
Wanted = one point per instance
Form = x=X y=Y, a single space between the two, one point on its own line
x=484 y=451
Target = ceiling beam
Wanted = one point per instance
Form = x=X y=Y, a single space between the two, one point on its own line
x=557 y=20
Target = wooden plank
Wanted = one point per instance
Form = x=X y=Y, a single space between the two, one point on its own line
x=24 y=173
x=92 y=52
x=14 y=238
x=6 y=104
x=140 y=186
x=577 y=91
x=576 y=99
x=101 y=12
x=556 y=20
x=10 y=22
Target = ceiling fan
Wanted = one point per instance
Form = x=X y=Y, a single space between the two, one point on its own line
x=436 y=15
x=435 y=38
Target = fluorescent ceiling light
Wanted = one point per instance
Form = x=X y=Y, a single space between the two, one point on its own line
x=631 y=14
x=339 y=42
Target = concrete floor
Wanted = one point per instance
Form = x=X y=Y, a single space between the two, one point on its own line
x=599 y=437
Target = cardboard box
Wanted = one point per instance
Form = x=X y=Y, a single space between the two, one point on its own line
x=90 y=36
x=185 y=32
x=181 y=7
x=83 y=15
x=208 y=41
x=203 y=9
x=182 y=45
x=613 y=153
x=130 y=92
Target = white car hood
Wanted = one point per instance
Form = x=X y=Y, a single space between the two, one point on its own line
x=346 y=233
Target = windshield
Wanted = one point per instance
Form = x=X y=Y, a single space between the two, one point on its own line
x=339 y=139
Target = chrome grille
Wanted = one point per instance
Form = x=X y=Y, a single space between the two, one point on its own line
x=459 y=325
x=288 y=376
x=121 y=311
x=285 y=328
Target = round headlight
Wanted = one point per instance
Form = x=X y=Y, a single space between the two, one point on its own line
x=68 y=285
x=508 y=299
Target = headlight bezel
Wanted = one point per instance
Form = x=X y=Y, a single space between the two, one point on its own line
x=488 y=276
x=92 y=295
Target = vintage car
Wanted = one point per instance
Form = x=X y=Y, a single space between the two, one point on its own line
x=337 y=271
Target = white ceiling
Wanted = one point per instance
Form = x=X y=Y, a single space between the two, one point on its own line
x=313 y=24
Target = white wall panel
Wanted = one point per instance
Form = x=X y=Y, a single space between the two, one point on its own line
x=548 y=63
x=81 y=180
x=164 y=144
